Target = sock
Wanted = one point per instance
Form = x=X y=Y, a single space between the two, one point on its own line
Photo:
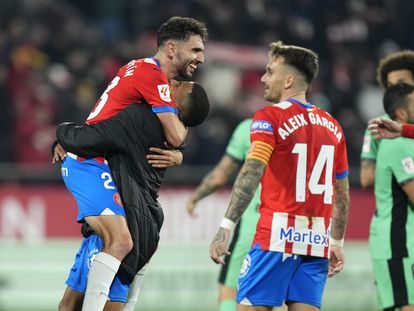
x=135 y=289
x=227 y=305
x=101 y=275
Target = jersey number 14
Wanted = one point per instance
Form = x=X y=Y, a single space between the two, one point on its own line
x=324 y=162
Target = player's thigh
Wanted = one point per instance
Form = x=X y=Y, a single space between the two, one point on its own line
x=93 y=188
x=71 y=300
x=255 y=308
x=308 y=282
x=109 y=227
x=114 y=306
x=299 y=306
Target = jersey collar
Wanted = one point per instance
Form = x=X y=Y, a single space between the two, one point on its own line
x=307 y=105
x=156 y=61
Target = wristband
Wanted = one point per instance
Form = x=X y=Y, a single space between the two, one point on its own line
x=407 y=130
x=339 y=243
x=227 y=224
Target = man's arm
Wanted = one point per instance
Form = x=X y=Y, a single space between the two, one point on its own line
x=384 y=128
x=174 y=130
x=243 y=191
x=91 y=140
x=213 y=181
x=408 y=188
x=367 y=173
x=340 y=211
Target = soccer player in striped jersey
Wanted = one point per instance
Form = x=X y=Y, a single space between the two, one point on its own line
x=298 y=154
x=392 y=227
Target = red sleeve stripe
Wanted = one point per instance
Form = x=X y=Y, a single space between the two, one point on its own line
x=408 y=130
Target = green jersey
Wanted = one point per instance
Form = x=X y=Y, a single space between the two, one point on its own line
x=370 y=144
x=238 y=148
x=392 y=226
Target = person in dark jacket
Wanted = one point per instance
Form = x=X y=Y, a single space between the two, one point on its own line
x=125 y=141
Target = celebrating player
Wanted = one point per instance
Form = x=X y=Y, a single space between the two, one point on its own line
x=298 y=154
x=180 y=43
x=125 y=140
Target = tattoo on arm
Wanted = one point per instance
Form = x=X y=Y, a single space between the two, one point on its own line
x=244 y=188
x=367 y=164
x=217 y=178
x=340 y=208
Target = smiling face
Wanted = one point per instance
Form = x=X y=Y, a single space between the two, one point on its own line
x=274 y=79
x=188 y=55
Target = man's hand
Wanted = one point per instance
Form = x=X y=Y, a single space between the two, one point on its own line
x=336 y=261
x=384 y=128
x=58 y=154
x=164 y=158
x=191 y=206
x=219 y=245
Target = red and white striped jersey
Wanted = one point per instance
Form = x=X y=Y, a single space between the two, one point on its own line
x=308 y=152
x=138 y=81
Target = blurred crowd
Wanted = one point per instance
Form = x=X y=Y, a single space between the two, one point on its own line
x=57 y=56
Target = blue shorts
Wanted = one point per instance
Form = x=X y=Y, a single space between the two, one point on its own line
x=92 y=185
x=78 y=276
x=272 y=278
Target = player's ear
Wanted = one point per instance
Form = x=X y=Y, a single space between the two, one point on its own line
x=170 y=49
x=289 y=81
x=401 y=114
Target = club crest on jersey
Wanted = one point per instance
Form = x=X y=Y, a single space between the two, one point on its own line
x=408 y=165
x=164 y=91
x=247 y=261
x=117 y=199
x=91 y=256
x=262 y=126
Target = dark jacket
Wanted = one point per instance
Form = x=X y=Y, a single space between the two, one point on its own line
x=124 y=140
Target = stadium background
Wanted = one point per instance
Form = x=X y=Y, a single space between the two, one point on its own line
x=56 y=58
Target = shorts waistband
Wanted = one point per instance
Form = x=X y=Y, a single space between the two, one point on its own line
x=78 y=158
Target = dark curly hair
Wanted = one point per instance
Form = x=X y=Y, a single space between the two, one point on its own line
x=395 y=61
x=304 y=60
x=396 y=96
x=181 y=28
x=198 y=108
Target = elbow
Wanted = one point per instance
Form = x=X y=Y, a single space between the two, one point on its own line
x=176 y=139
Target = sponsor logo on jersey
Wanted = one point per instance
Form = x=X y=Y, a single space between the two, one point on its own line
x=164 y=91
x=117 y=199
x=408 y=165
x=366 y=146
x=247 y=261
x=307 y=237
x=262 y=126
x=91 y=256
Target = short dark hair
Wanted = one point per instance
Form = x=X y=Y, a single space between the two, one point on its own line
x=304 y=60
x=198 y=108
x=396 y=96
x=395 y=61
x=181 y=28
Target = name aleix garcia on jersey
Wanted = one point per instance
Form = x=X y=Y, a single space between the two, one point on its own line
x=295 y=122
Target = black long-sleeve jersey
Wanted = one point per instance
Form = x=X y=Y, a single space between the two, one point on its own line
x=124 y=140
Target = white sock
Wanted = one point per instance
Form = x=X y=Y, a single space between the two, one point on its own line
x=135 y=289
x=102 y=273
